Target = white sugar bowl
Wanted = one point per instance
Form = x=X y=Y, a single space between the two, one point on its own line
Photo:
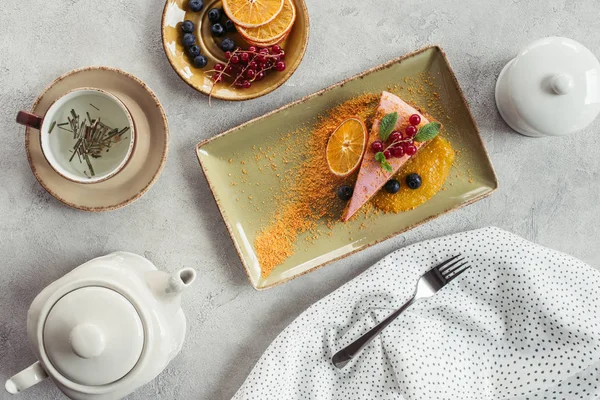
x=551 y=88
x=106 y=328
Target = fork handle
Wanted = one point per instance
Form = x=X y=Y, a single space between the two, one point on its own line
x=343 y=357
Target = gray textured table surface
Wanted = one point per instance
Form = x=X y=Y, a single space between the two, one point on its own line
x=549 y=188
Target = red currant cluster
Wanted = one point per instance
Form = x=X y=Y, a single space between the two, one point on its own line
x=399 y=144
x=251 y=65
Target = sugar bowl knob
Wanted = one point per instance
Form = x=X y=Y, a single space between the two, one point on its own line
x=562 y=83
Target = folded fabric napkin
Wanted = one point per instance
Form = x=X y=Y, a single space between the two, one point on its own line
x=522 y=323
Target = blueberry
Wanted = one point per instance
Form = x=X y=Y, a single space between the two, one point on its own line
x=214 y=15
x=227 y=45
x=187 y=26
x=188 y=39
x=344 y=192
x=194 y=50
x=200 y=61
x=392 y=186
x=230 y=26
x=217 y=30
x=196 y=5
x=414 y=181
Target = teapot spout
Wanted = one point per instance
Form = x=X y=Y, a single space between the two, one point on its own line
x=167 y=288
x=180 y=280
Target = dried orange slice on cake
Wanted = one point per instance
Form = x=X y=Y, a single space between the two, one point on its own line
x=346 y=147
x=274 y=31
x=252 y=13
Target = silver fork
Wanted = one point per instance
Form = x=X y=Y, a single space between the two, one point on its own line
x=428 y=285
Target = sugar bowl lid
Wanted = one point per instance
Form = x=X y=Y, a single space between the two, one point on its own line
x=93 y=336
x=554 y=84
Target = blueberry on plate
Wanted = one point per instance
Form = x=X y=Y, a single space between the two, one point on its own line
x=344 y=192
x=392 y=186
x=194 y=50
x=214 y=15
x=227 y=45
x=230 y=26
x=187 y=26
x=414 y=181
x=200 y=61
x=195 y=5
x=217 y=29
x=189 y=39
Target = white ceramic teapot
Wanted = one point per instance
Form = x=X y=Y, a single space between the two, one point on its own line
x=106 y=328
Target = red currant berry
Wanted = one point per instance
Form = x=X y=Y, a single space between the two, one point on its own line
x=411 y=131
x=219 y=67
x=245 y=57
x=246 y=84
x=250 y=73
x=377 y=146
x=259 y=76
x=280 y=66
x=395 y=136
x=261 y=58
x=228 y=69
x=397 y=152
x=264 y=51
x=275 y=49
x=415 y=119
x=282 y=55
x=235 y=59
x=410 y=150
x=387 y=154
x=227 y=55
x=252 y=49
x=253 y=65
x=264 y=65
x=238 y=83
x=217 y=78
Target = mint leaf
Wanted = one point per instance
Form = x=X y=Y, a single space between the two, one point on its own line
x=387 y=125
x=385 y=165
x=428 y=132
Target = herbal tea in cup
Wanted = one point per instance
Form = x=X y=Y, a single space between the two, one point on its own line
x=87 y=135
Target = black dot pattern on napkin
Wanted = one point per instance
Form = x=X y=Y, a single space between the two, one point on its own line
x=522 y=323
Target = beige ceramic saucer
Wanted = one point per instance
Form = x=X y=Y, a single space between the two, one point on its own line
x=175 y=12
x=148 y=157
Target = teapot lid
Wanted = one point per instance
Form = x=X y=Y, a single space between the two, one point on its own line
x=93 y=336
x=554 y=84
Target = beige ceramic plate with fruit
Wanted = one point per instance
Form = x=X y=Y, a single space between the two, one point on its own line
x=289 y=30
x=283 y=205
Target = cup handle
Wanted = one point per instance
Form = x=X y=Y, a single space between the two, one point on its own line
x=26 y=378
x=29 y=119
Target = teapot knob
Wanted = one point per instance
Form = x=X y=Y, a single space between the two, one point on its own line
x=87 y=340
x=562 y=83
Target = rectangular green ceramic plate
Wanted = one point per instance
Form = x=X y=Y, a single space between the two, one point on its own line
x=241 y=202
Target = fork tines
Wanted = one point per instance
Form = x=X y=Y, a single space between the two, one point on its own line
x=453 y=267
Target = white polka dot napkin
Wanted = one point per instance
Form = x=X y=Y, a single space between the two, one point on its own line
x=522 y=323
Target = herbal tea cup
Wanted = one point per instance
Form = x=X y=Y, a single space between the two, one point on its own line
x=87 y=135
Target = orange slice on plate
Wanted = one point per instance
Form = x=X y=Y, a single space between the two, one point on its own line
x=346 y=147
x=252 y=13
x=275 y=30
x=267 y=44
